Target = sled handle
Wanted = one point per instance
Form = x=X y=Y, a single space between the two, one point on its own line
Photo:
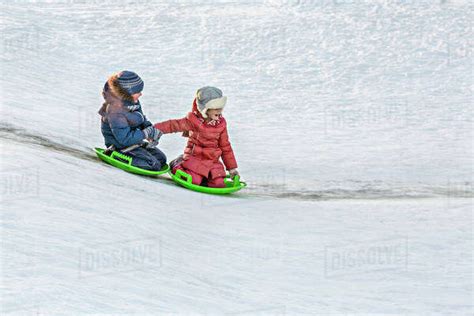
x=121 y=157
x=233 y=181
x=236 y=180
x=183 y=175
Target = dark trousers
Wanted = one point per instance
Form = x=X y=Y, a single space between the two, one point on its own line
x=147 y=158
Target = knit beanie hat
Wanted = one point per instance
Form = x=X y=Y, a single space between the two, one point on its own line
x=209 y=98
x=130 y=82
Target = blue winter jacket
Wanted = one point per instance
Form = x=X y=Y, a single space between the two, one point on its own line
x=122 y=122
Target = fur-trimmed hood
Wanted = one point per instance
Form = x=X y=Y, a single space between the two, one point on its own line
x=116 y=98
x=117 y=90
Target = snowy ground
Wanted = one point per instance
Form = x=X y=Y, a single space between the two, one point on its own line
x=351 y=121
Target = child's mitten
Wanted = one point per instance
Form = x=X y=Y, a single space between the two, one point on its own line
x=233 y=172
x=153 y=135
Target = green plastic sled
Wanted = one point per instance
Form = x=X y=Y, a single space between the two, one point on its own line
x=124 y=162
x=186 y=180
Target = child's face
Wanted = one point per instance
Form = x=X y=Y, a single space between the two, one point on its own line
x=214 y=114
x=136 y=96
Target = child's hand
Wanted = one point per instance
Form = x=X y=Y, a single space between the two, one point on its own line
x=153 y=135
x=233 y=172
x=152 y=144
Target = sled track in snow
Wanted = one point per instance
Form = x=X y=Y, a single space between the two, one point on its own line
x=355 y=191
x=371 y=194
x=23 y=136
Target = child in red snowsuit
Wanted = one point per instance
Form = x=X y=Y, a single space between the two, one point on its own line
x=208 y=140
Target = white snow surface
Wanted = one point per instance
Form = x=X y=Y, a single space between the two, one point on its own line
x=351 y=122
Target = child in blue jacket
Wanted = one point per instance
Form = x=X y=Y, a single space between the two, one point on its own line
x=123 y=122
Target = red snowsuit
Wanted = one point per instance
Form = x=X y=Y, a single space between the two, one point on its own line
x=206 y=144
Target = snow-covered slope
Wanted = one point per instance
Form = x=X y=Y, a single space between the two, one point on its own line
x=351 y=122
